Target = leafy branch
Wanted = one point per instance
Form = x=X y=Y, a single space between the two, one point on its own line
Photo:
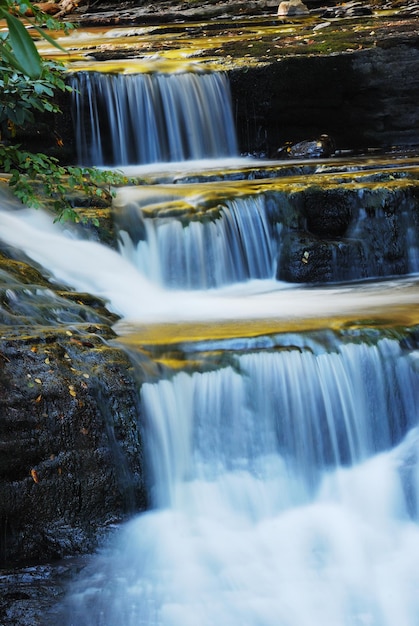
x=36 y=176
x=28 y=85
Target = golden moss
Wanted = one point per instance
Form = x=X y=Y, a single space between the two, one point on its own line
x=216 y=45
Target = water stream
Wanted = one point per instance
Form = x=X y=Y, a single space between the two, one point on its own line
x=284 y=482
x=152 y=117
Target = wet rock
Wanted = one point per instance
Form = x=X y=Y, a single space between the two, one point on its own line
x=323 y=147
x=28 y=596
x=362 y=98
x=411 y=10
x=340 y=235
x=328 y=212
x=292 y=7
x=71 y=461
x=309 y=259
x=71 y=452
x=348 y=9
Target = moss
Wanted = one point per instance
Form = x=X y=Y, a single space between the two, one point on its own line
x=224 y=44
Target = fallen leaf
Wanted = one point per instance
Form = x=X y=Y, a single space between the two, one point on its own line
x=76 y=341
x=35 y=476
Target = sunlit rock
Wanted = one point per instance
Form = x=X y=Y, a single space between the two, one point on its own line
x=348 y=9
x=292 y=7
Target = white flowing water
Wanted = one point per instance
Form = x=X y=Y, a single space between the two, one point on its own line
x=234 y=246
x=284 y=488
x=147 y=118
x=256 y=523
x=94 y=268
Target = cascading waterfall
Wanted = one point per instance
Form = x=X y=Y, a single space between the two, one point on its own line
x=257 y=522
x=306 y=408
x=285 y=483
x=234 y=246
x=147 y=118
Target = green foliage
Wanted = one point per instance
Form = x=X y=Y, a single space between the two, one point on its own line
x=20 y=97
x=28 y=84
x=36 y=176
x=17 y=48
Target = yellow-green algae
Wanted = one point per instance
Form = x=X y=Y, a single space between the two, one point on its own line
x=179 y=347
x=384 y=169
x=221 y=44
x=203 y=200
x=150 y=336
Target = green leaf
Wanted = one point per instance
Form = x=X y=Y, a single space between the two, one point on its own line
x=23 y=48
x=11 y=59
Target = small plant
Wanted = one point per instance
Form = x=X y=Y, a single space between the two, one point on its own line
x=28 y=84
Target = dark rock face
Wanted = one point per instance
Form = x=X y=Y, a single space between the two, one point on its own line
x=29 y=596
x=361 y=99
x=343 y=234
x=309 y=259
x=71 y=460
x=328 y=212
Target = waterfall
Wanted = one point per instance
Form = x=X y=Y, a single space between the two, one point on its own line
x=146 y=118
x=284 y=480
x=313 y=411
x=285 y=494
x=283 y=475
x=234 y=245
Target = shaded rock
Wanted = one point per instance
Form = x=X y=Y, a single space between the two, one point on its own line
x=341 y=235
x=348 y=9
x=328 y=212
x=323 y=147
x=310 y=259
x=71 y=451
x=28 y=595
x=365 y=98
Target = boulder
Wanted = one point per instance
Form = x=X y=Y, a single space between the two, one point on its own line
x=292 y=7
x=323 y=147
